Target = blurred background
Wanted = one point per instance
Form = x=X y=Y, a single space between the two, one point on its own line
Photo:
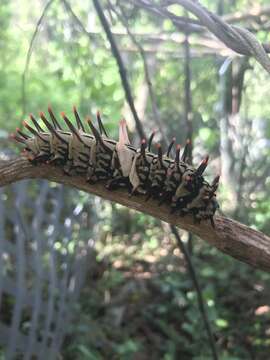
x=138 y=300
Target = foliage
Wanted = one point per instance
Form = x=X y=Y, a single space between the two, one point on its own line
x=150 y=304
x=141 y=300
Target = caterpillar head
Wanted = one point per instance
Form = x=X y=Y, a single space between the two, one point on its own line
x=37 y=148
x=32 y=147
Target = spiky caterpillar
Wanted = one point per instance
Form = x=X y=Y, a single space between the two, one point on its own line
x=119 y=164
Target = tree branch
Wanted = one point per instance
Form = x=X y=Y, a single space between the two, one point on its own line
x=231 y=237
x=30 y=51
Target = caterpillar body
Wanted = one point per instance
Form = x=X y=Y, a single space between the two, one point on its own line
x=119 y=164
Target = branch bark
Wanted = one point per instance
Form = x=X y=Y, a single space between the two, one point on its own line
x=231 y=237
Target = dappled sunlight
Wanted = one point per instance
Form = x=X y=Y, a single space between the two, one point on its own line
x=105 y=281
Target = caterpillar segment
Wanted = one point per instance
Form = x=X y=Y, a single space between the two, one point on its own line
x=173 y=178
x=141 y=167
x=59 y=141
x=43 y=141
x=99 y=167
x=37 y=147
x=186 y=190
x=204 y=204
x=175 y=172
x=122 y=160
x=79 y=147
x=119 y=164
x=157 y=175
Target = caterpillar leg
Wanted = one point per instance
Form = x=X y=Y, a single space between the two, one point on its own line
x=153 y=191
x=67 y=168
x=212 y=222
x=117 y=182
x=90 y=173
x=165 y=198
x=57 y=160
x=42 y=157
x=134 y=191
x=137 y=191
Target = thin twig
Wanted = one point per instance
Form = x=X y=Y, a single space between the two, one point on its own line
x=197 y=287
x=254 y=13
x=29 y=53
x=153 y=100
x=236 y=38
x=178 y=21
x=188 y=109
x=77 y=20
x=121 y=67
x=187 y=99
x=122 y=18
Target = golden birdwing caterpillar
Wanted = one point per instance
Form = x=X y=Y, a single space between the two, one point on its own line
x=119 y=164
